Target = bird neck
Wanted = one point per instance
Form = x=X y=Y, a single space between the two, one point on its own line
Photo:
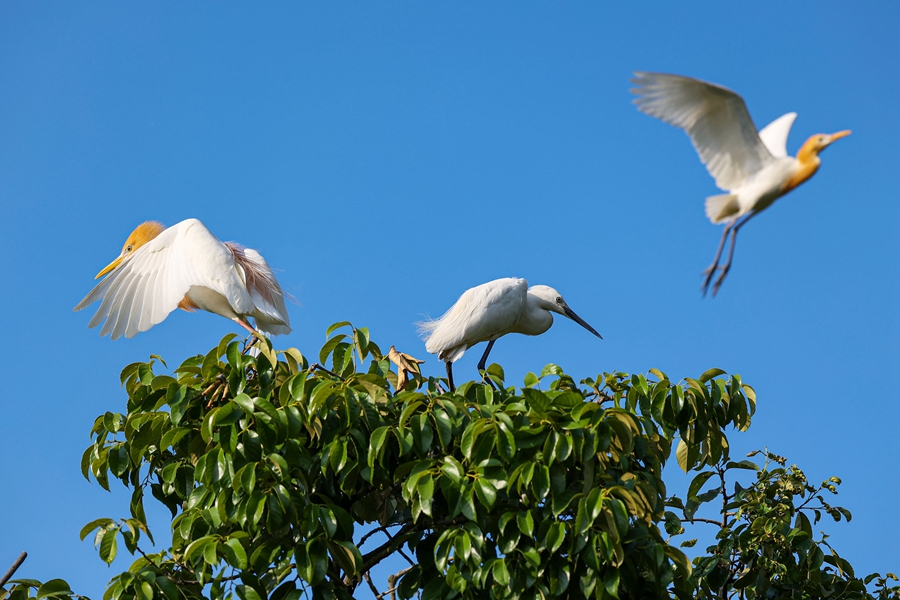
x=536 y=319
x=808 y=162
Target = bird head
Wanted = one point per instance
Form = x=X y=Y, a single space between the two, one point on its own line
x=142 y=234
x=549 y=299
x=817 y=143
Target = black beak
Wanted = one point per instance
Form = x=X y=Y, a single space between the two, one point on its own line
x=571 y=314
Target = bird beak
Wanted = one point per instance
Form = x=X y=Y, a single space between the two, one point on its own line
x=571 y=314
x=838 y=135
x=111 y=266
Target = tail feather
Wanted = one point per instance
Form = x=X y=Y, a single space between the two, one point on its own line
x=722 y=207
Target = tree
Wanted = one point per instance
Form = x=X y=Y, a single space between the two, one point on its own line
x=287 y=479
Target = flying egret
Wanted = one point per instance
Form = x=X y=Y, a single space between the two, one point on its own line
x=489 y=311
x=753 y=167
x=186 y=267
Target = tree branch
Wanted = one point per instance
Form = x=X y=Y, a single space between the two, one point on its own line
x=15 y=566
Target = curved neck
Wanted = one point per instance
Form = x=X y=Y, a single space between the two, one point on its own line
x=535 y=320
x=808 y=162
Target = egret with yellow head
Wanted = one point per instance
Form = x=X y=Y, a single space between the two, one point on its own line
x=752 y=166
x=187 y=267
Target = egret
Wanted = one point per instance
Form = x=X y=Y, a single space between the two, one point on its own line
x=187 y=267
x=489 y=311
x=752 y=166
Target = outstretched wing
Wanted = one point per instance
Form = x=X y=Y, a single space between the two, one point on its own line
x=480 y=314
x=715 y=118
x=149 y=285
x=775 y=134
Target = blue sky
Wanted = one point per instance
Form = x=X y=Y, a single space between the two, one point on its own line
x=387 y=158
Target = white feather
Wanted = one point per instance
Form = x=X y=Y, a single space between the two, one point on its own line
x=775 y=134
x=183 y=260
x=715 y=118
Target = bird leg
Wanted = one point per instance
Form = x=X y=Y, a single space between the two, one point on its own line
x=245 y=325
x=727 y=266
x=483 y=363
x=449 y=366
x=711 y=270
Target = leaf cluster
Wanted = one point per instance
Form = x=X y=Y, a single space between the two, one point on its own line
x=287 y=479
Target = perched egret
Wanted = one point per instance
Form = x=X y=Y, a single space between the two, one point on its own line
x=490 y=311
x=753 y=167
x=186 y=267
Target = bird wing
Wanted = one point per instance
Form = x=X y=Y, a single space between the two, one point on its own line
x=271 y=313
x=149 y=285
x=775 y=134
x=483 y=312
x=715 y=118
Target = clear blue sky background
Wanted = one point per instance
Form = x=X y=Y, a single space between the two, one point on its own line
x=386 y=158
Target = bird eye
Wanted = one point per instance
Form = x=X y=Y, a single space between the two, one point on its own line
x=559 y=299
x=128 y=249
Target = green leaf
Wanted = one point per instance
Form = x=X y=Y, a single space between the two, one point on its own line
x=709 y=374
x=54 y=587
x=697 y=483
x=486 y=493
x=234 y=553
x=500 y=572
x=167 y=587
x=108 y=545
x=336 y=326
x=525 y=522
x=87 y=529
x=681 y=454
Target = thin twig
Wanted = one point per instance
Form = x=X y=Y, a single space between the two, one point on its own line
x=149 y=560
x=702 y=520
x=317 y=366
x=15 y=566
x=392 y=581
x=408 y=559
x=372 y=587
x=382 y=529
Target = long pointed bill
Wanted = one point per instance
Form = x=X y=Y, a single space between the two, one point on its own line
x=109 y=267
x=838 y=135
x=571 y=314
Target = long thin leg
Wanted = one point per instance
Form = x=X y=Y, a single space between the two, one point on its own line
x=727 y=266
x=449 y=366
x=482 y=364
x=244 y=324
x=711 y=270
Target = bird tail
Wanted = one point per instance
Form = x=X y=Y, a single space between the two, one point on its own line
x=722 y=207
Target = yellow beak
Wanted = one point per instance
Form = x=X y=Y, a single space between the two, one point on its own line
x=109 y=267
x=838 y=135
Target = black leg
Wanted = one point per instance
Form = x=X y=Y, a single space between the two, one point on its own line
x=727 y=266
x=483 y=362
x=450 y=376
x=709 y=272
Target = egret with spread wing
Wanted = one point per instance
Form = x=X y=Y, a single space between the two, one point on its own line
x=489 y=311
x=185 y=266
x=752 y=166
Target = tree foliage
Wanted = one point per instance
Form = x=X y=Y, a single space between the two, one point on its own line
x=287 y=479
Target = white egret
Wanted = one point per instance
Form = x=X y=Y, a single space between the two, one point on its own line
x=490 y=311
x=753 y=167
x=186 y=267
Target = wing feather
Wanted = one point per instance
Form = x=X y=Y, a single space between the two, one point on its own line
x=149 y=284
x=483 y=312
x=270 y=313
x=715 y=118
x=775 y=134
